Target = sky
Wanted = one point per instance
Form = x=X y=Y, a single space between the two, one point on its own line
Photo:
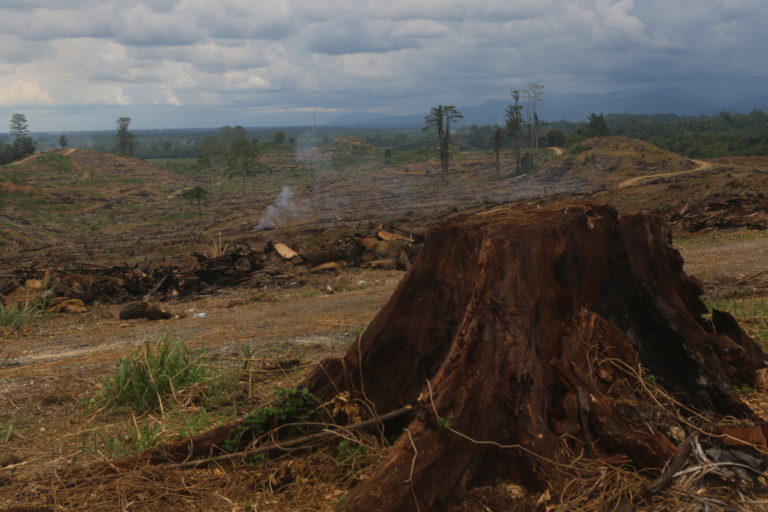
x=80 y=64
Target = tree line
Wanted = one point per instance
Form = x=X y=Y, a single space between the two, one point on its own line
x=705 y=136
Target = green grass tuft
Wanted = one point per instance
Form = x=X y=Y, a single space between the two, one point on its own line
x=22 y=315
x=154 y=372
x=750 y=312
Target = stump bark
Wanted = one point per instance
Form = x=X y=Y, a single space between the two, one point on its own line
x=512 y=328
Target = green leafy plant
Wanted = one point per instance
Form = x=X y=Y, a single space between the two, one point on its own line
x=351 y=457
x=294 y=405
x=151 y=373
x=445 y=421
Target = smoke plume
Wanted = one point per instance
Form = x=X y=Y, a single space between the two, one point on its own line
x=281 y=210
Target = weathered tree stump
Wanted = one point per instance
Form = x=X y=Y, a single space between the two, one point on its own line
x=521 y=321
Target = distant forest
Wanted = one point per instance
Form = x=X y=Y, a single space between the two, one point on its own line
x=726 y=134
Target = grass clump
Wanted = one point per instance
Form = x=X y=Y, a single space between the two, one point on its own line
x=22 y=314
x=155 y=371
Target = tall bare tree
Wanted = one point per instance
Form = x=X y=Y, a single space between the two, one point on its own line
x=496 y=142
x=440 y=119
x=514 y=117
x=533 y=94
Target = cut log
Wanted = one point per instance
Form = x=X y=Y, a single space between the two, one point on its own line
x=284 y=251
x=383 y=264
x=145 y=310
x=513 y=328
x=67 y=305
x=388 y=236
x=328 y=265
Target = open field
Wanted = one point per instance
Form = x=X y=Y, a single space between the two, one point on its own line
x=78 y=208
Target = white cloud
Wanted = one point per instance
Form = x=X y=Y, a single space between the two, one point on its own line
x=24 y=93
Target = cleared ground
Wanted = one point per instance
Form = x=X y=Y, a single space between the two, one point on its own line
x=49 y=435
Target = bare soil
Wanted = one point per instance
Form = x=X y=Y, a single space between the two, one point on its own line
x=48 y=371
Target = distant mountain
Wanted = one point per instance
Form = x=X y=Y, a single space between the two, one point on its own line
x=571 y=107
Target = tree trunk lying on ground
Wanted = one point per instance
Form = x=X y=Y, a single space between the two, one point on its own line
x=513 y=327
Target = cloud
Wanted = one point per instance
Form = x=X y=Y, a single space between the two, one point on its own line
x=24 y=93
x=398 y=55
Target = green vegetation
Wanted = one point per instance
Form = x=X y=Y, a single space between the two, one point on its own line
x=126 y=141
x=23 y=145
x=440 y=119
x=725 y=134
x=196 y=195
x=58 y=162
x=293 y=405
x=6 y=432
x=151 y=374
x=351 y=457
x=751 y=313
x=744 y=390
x=22 y=314
x=183 y=166
x=138 y=438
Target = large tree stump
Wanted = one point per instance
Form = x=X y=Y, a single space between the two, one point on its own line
x=520 y=321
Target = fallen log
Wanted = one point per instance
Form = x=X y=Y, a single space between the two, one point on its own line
x=510 y=336
x=388 y=236
x=284 y=251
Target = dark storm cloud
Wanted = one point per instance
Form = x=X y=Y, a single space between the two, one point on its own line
x=294 y=55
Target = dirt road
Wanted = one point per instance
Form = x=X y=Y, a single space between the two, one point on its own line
x=701 y=165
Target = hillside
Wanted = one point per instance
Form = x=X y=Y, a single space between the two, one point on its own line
x=260 y=320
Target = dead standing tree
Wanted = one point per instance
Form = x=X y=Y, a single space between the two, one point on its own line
x=533 y=95
x=440 y=119
x=510 y=329
x=514 y=121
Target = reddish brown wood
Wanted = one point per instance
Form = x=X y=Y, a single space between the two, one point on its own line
x=515 y=316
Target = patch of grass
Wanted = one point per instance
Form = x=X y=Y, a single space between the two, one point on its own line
x=184 y=166
x=145 y=378
x=138 y=438
x=414 y=155
x=750 y=312
x=308 y=294
x=58 y=162
x=23 y=314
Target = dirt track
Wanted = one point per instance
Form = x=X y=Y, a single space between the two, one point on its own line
x=702 y=165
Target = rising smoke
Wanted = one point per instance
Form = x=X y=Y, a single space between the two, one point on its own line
x=281 y=210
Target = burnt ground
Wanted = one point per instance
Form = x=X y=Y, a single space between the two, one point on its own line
x=48 y=433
